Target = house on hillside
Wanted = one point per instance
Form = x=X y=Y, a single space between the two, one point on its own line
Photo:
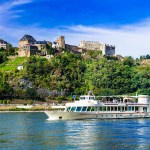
x=20 y=67
x=3 y=44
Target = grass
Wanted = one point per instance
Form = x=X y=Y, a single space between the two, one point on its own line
x=12 y=64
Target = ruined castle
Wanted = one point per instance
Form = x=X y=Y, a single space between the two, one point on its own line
x=92 y=45
x=29 y=46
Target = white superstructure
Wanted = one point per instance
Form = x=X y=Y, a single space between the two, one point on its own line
x=106 y=107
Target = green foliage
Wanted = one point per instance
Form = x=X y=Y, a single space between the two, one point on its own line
x=59 y=101
x=12 y=64
x=3 y=57
x=5 y=90
x=31 y=93
x=6 y=101
x=2 y=49
x=10 y=50
x=19 y=109
x=94 y=54
x=110 y=77
x=50 y=50
x=61 y=98
x=70 y=74
x=145 y=57
x=31 y=102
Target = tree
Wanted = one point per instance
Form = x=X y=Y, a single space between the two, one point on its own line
x=5 y=90
x=3 y=58
x=10 y=50
x=31 y=93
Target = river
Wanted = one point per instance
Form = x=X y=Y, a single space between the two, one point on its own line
x=31 y=131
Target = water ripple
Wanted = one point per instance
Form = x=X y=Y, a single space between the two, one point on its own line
x=29 y=131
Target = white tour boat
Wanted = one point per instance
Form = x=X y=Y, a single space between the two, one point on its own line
x=108 y=107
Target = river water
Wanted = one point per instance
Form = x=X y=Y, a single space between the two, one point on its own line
x=31 y=131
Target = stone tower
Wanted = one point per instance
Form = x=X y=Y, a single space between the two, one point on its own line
x=26 y=39
x=61 y=42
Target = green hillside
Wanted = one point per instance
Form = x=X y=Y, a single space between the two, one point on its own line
x=73 y=74
x=12 y=64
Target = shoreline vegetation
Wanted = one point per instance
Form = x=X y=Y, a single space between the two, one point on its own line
x=28 y=108
x=67 y=75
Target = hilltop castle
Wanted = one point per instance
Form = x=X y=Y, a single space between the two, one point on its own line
x=29 y=46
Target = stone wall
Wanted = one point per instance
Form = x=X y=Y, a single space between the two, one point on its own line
x=91 y=45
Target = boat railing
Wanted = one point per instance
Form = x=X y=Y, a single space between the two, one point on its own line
x=116 y=99
x=116 y=102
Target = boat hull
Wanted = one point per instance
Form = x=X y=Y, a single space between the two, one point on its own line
x=58 y=115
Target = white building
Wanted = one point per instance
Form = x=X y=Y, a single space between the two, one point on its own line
x=20 y=67
x=3 y=44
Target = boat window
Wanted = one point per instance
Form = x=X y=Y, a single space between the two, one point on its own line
x=68 y=109
x=89 y=109
x=92 y=108
x=91 y=98
x=86 y=98
x=119 y=109
x=82 y=98
x=129 y=108
x=84 y=108
x=78 y=108
x=111 y=108
x=100 y=108
x=73 y=108
x=145 y=109
x=125 y=108
x=104 y=108
x=108 y=108
x=136 y=108
x=96 y=108
x=122 y=108
x=115 y=108
x=132 y=108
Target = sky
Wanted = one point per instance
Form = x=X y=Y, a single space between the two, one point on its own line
x=123 y=23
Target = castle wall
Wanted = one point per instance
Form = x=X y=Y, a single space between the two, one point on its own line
x=22 y=43
x=27 y=50
x=91 y=45
x=22 y=53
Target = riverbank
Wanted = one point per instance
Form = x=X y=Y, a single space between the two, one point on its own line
x=20 y=111
x=28 y=108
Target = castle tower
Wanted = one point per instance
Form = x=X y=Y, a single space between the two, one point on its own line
x=26 y=39
x=61 y=41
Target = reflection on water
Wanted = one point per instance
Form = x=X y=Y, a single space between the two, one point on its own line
x=33 y=131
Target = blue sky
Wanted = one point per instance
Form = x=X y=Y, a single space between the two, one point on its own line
x=123 y=23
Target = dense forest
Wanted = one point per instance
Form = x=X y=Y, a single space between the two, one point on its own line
x=68 y=74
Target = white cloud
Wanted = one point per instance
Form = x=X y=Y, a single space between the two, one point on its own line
x=129 y=40
x=6 y=11
x=12 y=3
x=20 y=2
